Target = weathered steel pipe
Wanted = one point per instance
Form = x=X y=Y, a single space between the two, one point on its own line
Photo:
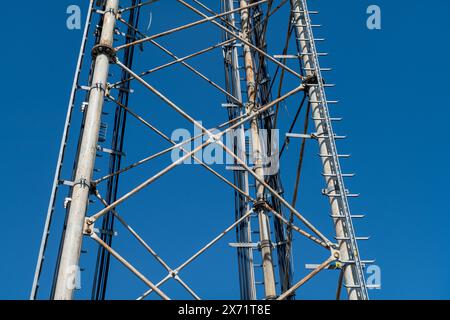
x=70 y=254
x=263 y=218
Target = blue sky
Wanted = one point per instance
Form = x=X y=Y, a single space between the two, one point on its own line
x=392 y=88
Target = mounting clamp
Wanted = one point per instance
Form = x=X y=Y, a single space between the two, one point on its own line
x=99 y=86
x=83 y=183
x=265 y=244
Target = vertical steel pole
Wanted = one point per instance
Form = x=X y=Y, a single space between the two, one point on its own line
x=248 y=274
x=353 y=277
x=264 y=230
x=70 y=254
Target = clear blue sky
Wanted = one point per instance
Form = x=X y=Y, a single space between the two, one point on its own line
x=392 y=85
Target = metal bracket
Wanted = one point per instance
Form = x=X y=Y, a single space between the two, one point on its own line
x=336 y=265
x=301 y=135
x=252 y=245
x=84 y=106
x=88 y=228
x=103 y=231
x=110 y=151
x=244 y=245
x=235 y=168
x=229 y=105
x=66 y=183
x=67 y=200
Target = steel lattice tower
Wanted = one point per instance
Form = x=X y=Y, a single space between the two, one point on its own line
x=254 y=72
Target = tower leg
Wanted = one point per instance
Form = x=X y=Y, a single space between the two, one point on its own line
x=70 y=254
x=264 y=230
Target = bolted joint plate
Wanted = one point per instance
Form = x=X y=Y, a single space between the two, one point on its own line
x=88 y=228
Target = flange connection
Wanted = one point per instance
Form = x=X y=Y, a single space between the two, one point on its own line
x=259 y=205
x=106 y=50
